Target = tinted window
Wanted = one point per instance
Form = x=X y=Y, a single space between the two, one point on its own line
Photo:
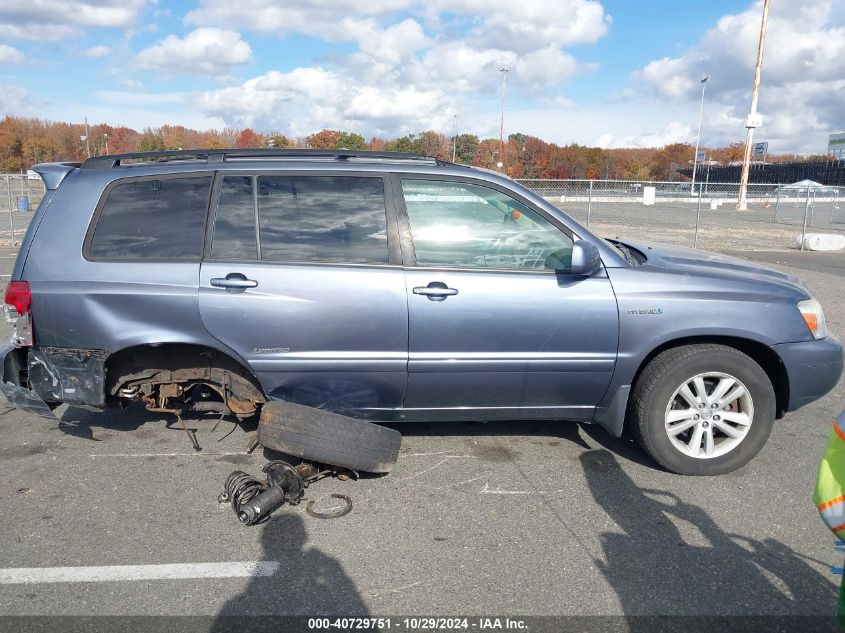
x=322 y=218
x=471 y=226
x=234 y=222
x=153 y=218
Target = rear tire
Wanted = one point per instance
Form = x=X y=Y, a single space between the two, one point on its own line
x=328 y=438
x=693 y=433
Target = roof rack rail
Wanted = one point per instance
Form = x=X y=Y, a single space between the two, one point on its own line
x=221 y=155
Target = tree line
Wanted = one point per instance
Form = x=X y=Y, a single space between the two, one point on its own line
x=26 y=141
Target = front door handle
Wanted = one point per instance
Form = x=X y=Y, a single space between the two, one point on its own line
x=435 y=291
x=233 y=282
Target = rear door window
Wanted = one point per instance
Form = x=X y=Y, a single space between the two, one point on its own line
x=322 y=219
x=152 y=219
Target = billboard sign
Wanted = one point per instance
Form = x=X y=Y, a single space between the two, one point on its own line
x=836 y=145
x=701 y=156
x=759 y=150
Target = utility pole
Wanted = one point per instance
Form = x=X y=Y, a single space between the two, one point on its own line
x=698 y=138
x=753 y=118
x=455 y=139
x=501 y=162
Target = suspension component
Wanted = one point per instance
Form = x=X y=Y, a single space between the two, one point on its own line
x=254 y=500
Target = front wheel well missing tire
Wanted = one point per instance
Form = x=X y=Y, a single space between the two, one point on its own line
x=760 y=353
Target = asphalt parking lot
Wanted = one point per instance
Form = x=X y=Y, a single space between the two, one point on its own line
x=519 y=518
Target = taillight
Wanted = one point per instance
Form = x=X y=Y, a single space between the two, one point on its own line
x=19 y=296
x=17 y=309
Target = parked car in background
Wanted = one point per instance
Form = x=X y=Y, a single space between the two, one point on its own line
x=392 y=287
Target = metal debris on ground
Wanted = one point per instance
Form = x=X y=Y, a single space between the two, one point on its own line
x=333 y=514
x=254 y=500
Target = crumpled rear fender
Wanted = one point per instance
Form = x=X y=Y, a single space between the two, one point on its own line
x=17 y=394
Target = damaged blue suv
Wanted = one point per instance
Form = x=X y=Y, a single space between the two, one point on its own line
x=394 y=287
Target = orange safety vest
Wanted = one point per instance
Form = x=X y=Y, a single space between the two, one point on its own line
x=830 y=484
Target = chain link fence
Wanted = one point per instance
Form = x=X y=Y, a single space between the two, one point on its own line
x=703 y=216
x=20 y=196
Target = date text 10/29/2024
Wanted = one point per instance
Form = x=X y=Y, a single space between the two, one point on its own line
x=417 y=624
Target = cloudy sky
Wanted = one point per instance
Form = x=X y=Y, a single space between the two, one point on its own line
x=611 y=73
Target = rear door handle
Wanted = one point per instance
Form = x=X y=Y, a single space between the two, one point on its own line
x=435 y=291
x=233 y=281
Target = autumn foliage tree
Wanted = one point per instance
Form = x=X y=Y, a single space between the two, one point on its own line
x=25 y=141
x=248 y=138
x=324 y=139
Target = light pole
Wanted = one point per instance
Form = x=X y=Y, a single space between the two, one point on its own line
x=87 y=139
x=455 y=139
x=106 y=137
x=501 y=163
x=753 y=120
x=698 y=138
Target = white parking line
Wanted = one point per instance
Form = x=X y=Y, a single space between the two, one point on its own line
x=116 y=573
x=192 y=454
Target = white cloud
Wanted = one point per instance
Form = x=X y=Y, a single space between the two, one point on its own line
x=208 y=51
x=54 y=19
x=547 y=66
x=674 y=132
x=461 y=67
x=267 y=98
x=16 y=100
x=133 y=84
x=528 y=23
x=802 y=97
x=306 y=16
x=401 y=110
x=500 y=29
x=307 y=99
x=669 y=77
x=97 y=51
x=393 y=44
x=416 y=63
x=10 y=55
x=565 y=102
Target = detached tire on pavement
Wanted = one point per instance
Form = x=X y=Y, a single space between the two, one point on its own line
x=702 y=409
x=328 y=438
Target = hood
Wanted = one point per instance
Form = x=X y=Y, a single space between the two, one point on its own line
x=692 y=261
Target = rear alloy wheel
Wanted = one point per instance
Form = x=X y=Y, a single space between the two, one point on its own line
x=702 y=409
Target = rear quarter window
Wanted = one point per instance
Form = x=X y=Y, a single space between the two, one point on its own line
x=152 y=218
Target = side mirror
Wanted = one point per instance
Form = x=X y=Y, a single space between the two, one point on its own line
x=586 y=260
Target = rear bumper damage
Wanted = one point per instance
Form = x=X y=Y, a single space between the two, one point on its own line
x=34 y=378
x=15 y=382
